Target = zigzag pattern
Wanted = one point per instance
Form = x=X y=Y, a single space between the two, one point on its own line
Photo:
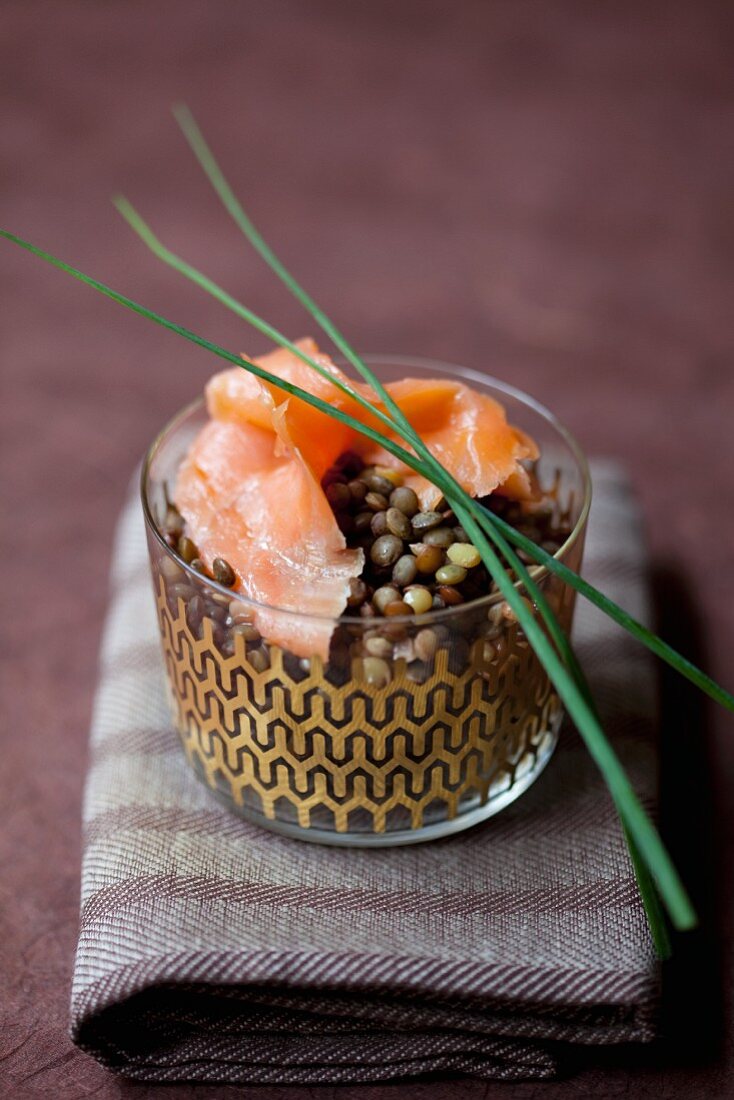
x=353 y=757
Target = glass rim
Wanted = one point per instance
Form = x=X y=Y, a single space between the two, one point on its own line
x=537 y=572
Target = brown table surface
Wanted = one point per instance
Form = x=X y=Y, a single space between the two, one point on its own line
x=542 y=191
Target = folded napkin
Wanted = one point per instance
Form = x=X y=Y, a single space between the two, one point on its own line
x=212 y=950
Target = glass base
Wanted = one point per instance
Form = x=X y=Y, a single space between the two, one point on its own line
x=502 y=793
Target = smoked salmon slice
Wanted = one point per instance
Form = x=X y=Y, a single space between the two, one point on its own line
x=466 y=431
x=250 y=486
x=249 y=497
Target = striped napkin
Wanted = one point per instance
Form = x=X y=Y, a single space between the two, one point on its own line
x=212 y=950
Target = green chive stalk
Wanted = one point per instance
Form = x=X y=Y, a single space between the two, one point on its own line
x=218 y=180
x=216 y=177
x=490 y=534
x=641 y=829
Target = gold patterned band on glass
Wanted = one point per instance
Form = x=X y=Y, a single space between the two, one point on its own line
x=355 y=757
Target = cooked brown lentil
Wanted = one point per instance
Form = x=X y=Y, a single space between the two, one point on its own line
x=378 y=524
x=424 y=521
x=187 y=549
x=377 y=502
x=439 y=536
x=376 y=483
x=406 y=500
x=404 y=571
x=357 y=592
x=450 y=595
x=223 y=572
x=398 y=523
x=386 y=550
x=357 y=491
x=338 y=495
x=427 y=558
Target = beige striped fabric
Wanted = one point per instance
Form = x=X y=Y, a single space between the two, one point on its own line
x=211 y=950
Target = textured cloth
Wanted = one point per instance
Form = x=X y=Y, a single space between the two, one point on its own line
x=213 y=950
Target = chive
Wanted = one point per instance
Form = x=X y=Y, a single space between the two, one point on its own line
x=634 y=817
x=216 y=177
x=656 y=920
x=628 y=805
x=488 y=524
x=220 y=184
x=211 y=168
x=619 y=615
x=145 y=233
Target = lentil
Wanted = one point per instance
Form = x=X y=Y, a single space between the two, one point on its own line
x=181 y=592
x=398 y=607
x=417 y=671
x=376 y=483
x=247 y=631
x=377 y=646
x=401 y=542
x=376 y=502
x=418 y=598
x=427 y=558
x=406 y=500
x=187 y=549
x=398 y=523
x=378 y=524
x=425 y=644
x=357 y=491
x=338 y=495
x=345 y=522
x=450 y=574
x=383 y=596
x=450 y=595
x=223 y=572
x=404 y=650
x=424 y=521
x=439 y=536
x=259 y=658
x=357 y=592
x=332 y=475
x=376 y=671
x=386 y=550
x=405 y=570
x=464 y=554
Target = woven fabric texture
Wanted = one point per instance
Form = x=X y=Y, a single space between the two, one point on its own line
x=212 y=950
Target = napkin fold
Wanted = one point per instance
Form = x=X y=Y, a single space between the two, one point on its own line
x=213 y=950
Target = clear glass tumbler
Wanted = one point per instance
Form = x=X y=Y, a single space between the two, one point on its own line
x=463 y=720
